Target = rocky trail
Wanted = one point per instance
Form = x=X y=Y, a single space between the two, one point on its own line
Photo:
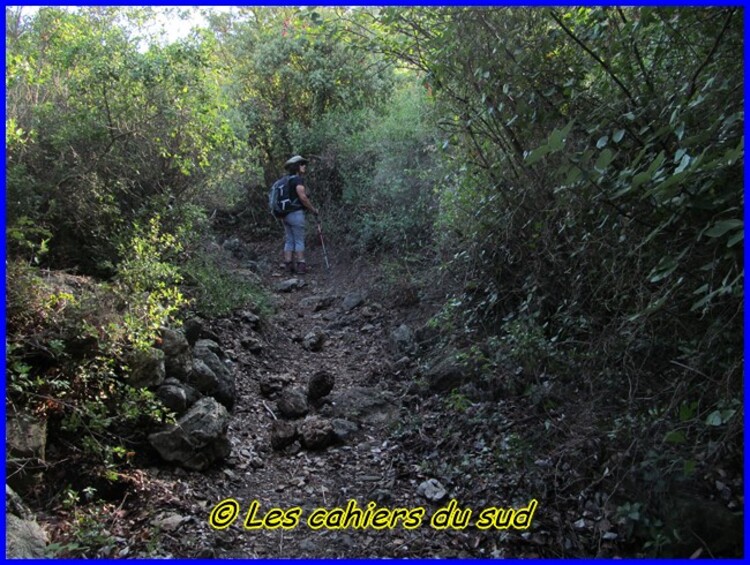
x=323 y=328
x=345 y=424
x=351 y=427
x=355 y=432
x=374 y=442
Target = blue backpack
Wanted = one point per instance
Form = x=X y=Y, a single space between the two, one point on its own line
x=282 y=198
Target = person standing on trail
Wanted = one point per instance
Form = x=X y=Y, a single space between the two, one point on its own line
x=294 y=222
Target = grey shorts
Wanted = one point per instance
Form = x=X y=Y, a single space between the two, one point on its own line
x=294 y=230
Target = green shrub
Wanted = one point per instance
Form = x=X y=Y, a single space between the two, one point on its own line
x=216 y=292
x=148 y=280
x=377 y=170
x=70 y=338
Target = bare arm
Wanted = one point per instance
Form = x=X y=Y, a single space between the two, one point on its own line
x=305 y=200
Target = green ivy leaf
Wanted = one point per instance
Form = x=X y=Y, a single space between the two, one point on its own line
x=687 y=411
x=556 y=140
x=536 y=154
x=684 y=162
x=723 y=226
x=574 y=175
x=606 y=157
x=665 y=268
x=688 y=467
x=640 y=178
x=719 y=417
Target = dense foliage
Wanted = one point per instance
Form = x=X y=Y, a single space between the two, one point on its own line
x=115 y=154
x=598 y=201
x=100 y=133
x=573 y=176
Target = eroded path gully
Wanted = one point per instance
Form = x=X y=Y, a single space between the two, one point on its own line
x=329 y=324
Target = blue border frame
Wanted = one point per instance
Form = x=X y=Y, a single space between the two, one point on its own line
x=531 y=3
x=745 y=312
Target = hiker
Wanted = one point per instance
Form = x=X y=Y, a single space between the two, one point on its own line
x=294 y=222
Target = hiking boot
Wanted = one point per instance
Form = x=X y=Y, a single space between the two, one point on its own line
x=301 y=267
x=289 y=267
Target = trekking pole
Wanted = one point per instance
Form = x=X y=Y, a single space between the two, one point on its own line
x=323 y=245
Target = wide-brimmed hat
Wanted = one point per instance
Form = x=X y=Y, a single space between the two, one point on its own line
x=297 y=159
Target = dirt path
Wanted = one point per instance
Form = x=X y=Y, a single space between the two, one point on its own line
x=488 y=445
x=297 y=477
x=396 y=441
x=362 y=469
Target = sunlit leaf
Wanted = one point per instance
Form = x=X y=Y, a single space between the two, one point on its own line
x=604 y=160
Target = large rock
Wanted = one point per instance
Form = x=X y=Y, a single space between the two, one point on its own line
x=24 y=538
x=343 y=430
x=315 y=339
x=14 y=505
x=252 y=344
x=177 y=357
x=352 y=300
x=202 y=378
x=319 y=385
x=289 y=285
x=402 y=341
x=292 y=403
x=25 y=446
x=317 y=302
x=177 y=396
x=446 y=373
x=25 y=436
x=363 y=405
x=316 y=433
x=147 y=368
x=210 y=375
x=250 y=318
x=192 y=329
x=272 y=384
x=203 y=346
x=283 y=434
x=198 y=439
x=432 y=490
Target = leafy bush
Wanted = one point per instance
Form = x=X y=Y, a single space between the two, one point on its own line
x=70 y=341
x=99 y=132
x=147 y=280
x=592 y=186
x=580 y=192
x=217 y=292
x=386 y=174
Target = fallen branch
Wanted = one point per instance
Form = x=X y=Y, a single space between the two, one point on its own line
x=263 y=402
